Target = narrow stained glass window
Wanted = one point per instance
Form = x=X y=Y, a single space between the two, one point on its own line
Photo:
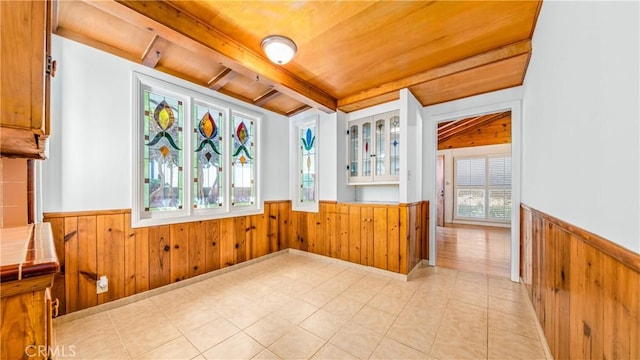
x=366 y=156
x=307 y=164
x=380 y=150
x=208 y=183
x=353 y=144
x=394 y=149
x=163 y=121
x=243 y=163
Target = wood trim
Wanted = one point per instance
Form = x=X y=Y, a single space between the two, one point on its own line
x=154 y=51
x=197 y=36
x=416 y=203
x=489 y=57
x=72 y=35
x=266 y=97
x=297 y=110
x=11 y=288
x=53 y=215
x=222 y=79
x=624 y=255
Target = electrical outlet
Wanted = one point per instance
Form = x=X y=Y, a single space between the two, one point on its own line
x=102 y=285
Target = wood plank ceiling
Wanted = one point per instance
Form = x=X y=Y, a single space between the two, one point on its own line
x=351 y=54
x=490 y=129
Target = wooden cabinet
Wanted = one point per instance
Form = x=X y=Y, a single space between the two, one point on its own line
x=25 y=68
x=374 y=149
x=28 y=263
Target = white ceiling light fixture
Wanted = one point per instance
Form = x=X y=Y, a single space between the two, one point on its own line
x=279 y=49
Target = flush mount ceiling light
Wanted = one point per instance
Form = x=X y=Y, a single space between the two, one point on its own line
x=279 y=49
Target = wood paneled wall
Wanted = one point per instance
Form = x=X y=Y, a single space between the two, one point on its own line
x=96 y=243
x=389 y=237
x=585 y=289
x=92 y=244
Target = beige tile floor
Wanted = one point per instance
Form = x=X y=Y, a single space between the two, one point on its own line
x=293 y=306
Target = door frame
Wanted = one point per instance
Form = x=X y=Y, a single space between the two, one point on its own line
x=456 y=111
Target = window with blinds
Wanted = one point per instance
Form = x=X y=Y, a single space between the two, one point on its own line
x=483 y=188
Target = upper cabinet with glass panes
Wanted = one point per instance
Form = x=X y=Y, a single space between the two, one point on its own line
x=373 y=145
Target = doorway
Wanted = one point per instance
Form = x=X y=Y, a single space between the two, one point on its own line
x=473 y=189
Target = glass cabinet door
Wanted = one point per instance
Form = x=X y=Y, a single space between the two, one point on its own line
x=366 y=147
x=380 y=148
x=353 y=151
x=374 y=149
x=394 y=145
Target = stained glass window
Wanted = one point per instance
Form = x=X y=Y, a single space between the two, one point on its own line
x=380 y=151
x=163 y=121
x=366 y=156
x=194 y=156
x=394 y=149
x=243 y=167
x=353 y=145
x=208 y=164
x=307 y=158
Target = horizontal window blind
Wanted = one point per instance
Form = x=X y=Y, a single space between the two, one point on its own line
x=471 y=172
x=483 y=188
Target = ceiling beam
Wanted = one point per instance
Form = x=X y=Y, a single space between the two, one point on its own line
x=72 y=35
x=154 y=51
x=266 y=97
x=453 y=126
x=298 y=110
x=195 y=35
x=222 y=79
x=473 y=124
x=488 y=57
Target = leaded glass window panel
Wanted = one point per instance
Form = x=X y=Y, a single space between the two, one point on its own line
x=163 y=122
x=380 y=150
x=394 y=151
x=307 y=158
x=366 y=155
x=208 y=164
x=243 y=166
x=353 y=150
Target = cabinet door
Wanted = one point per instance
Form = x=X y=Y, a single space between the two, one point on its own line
x=24 y=45
x=360 y=150
x=387 y=147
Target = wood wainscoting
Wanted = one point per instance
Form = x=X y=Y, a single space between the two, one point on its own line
x=94 y=243
x=389 y=237
x=585 y=289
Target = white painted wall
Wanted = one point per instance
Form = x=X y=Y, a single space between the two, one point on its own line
x=89 y=165
x=411 y=178
x=581 y=153
x=449 y=164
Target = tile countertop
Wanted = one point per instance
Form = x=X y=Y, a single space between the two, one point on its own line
x=27 y=251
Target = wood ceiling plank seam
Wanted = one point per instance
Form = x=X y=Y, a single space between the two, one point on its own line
x=154 y=51
x=266 y=97
x=197 y=36
x=489 y=57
